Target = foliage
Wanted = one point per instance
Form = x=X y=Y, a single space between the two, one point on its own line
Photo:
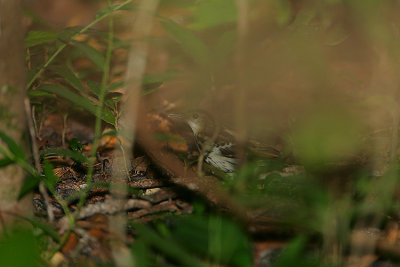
x=208 y=40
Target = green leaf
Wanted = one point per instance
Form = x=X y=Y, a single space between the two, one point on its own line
x=39 y=37
x=19 y=248
x=44 y=227
x=166 y=245
x=94 y=87
x=5 y=162
x=69 y=76
x=30 y=183
x=215 y=237
x=50 y=179
x=190 y=43
x=36 y=93
x=12 y=146
x=94 y=55
x=78 y=100
x=75 y=155
x=293 y=255
x=142 y=254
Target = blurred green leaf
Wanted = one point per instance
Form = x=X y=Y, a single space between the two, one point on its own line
x=94 y=87
x=214 y=236
x=69 y=76
x=165 y=245
x=5 y=162
x=214 y=13
x=12 y=146
x=293 y=255
x=47 y=229
x=142 y=253
x=190 y=43
x=30 y=183
x=78 y=100
x=94 y=55
x=19 y=248
x=39 y=37
x=50 y=179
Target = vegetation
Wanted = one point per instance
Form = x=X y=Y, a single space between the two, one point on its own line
x=313 y=81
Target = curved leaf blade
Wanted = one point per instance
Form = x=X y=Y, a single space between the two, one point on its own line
x=78 y=100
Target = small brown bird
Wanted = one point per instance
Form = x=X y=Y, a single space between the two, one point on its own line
x=218 y=143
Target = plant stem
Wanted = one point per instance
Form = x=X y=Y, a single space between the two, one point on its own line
x=97 y=128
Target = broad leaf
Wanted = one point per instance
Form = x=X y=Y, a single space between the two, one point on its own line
x=215 y=237
x=94 y=87
x=36 y=93
x=165 y=245
x=94 y=55
x=5 y=162
x=18 y=247
x=39 y=37
x=69 y=76
x=44 y=227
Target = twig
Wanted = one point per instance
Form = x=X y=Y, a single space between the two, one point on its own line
x=35 y=154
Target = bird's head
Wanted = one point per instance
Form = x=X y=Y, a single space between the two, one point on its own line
x=199 y=121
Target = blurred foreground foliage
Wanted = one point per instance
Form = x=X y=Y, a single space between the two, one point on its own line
x=320 y=75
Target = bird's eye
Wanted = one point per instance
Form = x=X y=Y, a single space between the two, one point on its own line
x=195 y=116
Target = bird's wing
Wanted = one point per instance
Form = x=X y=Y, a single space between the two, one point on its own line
x=222 y=158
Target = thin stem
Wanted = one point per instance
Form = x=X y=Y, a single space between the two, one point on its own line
x=97 y=128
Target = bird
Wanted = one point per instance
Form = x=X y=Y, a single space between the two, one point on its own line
x=215 y=147
x=216 y=144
